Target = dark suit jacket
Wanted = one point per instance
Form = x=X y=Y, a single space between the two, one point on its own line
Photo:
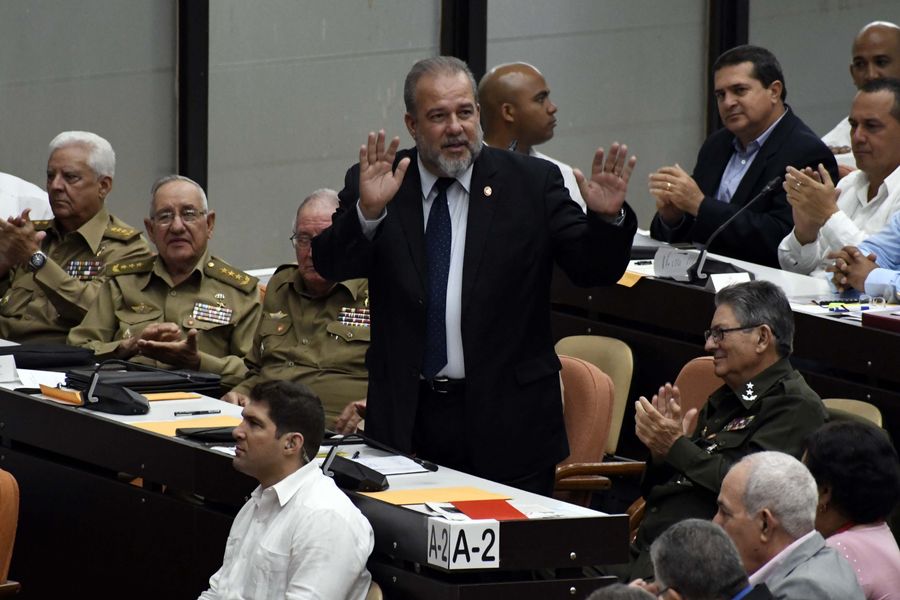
x=515 y=232
x=754 y=236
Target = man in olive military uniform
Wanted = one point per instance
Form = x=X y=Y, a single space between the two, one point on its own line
x=764 y=405
x=182 y=309
x=313 y=331
x=51 y=271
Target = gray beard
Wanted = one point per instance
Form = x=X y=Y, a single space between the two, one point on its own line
x=450 y=167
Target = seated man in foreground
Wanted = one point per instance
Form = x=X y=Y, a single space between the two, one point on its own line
x=765 y=404
x=184 y=308
x=761 y=137
x=824 y=222
x=313 y=331
x=51 y=271
x=768 y=507
x=298 y=536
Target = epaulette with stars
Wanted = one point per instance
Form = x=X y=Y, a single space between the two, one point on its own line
x=120 y=232
x=220 y=270
x=42 y=224
x=127 y=267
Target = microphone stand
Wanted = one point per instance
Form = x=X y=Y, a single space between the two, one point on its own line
x=695 y=271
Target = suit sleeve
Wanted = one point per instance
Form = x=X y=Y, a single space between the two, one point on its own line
x=590 y=250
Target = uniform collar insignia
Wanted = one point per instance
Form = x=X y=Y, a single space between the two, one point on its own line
x=749 y=394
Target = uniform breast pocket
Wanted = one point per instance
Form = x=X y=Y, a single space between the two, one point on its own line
x=731 y=439
x=213 y=337
x=132 y=323
x=273 y=333
x=352 y=334
x=17 y=298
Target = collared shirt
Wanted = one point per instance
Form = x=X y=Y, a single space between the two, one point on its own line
x=568 y=177
x=317 y=341
x=301 y=538
x=884 y=281
x=764 y=571
x=458 y=203
x=839 y=137
x=740 y=162
x=857 y=218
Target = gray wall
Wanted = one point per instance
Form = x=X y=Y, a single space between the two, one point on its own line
x=105 y=66
x=294 y=88
x=812 y=39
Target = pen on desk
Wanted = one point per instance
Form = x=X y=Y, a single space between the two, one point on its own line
x=643 y=262
x=185 y=413
x=355 y=454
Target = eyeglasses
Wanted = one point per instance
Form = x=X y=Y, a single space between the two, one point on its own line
x=718 y=334
x=300 y=240
x=188 y=215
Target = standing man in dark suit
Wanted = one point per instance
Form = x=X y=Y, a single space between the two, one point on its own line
x=458 y=241
x=761 y=137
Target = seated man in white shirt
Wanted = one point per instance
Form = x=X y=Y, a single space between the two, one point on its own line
x=875 y=54
x=767 y=505
x=298 y=536
x=17 y=194
x=825 y=222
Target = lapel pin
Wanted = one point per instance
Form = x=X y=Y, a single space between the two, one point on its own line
x=488 y=191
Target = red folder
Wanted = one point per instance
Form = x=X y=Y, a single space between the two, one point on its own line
x=882 y=320
x=499 y=510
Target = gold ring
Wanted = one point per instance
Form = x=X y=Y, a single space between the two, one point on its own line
x=668 y=185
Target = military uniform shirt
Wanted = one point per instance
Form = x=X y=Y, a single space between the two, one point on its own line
x=776 y=410
x=314 y=341
x=220 y=302
x=43 y=306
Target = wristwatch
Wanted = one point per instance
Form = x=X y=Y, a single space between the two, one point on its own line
x=36 y=261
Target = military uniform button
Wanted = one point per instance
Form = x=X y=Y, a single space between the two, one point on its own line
x=173 y=293
x=349 y=334
x=290 y=363
x=305 y=341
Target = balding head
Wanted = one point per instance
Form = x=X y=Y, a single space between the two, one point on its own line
x=515 y=105
x=876 y=53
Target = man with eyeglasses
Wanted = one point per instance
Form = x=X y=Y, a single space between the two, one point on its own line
x=764 y=405
x=52 y=270
x=183 y=308
x=313 y=331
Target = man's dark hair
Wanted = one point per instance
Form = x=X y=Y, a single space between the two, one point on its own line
x=698 y=559
x=762 y=303
x=886 y=84
x=293 y=407
x=444 y=65
x=859 y=463
x=766 y=68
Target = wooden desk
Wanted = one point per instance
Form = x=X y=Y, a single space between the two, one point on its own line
x=84 y=526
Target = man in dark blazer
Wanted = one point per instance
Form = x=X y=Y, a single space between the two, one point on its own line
x=761 y=137
x=490 y=403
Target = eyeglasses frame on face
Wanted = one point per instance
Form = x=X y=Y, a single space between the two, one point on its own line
x=188 y=215
x=300 y=240
x=718 y=334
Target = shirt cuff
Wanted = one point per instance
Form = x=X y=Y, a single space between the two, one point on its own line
x=369 y=226
x=883 y=283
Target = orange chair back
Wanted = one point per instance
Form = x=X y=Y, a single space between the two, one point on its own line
x=587 y=408
x=9 y=519
x=696 y=381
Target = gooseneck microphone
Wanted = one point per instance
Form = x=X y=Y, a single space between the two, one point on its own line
x=696 y=270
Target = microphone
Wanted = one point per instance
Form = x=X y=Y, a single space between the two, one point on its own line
x=696 y=270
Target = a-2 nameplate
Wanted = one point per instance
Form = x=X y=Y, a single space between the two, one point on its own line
x=457 y=545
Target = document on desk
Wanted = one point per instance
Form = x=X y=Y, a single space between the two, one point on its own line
x=423 y=495
x=168 y=427
x=391 y=465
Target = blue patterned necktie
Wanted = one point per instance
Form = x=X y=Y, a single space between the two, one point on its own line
x=437 y=255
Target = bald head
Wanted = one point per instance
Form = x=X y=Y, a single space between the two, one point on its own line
x=876 y=53
x=515 y=105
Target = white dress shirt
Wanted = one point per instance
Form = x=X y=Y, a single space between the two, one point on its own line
x=17 y=194
x=568 y=178
x=857 y=218
x=300 y=538
x=458 y=203
x=839 y=137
